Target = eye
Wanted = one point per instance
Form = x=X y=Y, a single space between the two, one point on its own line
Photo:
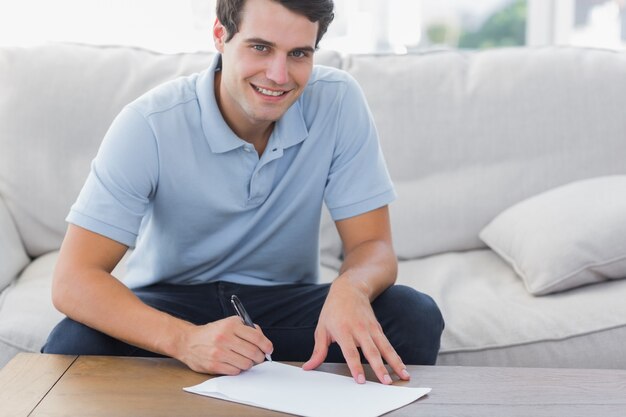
x=260 y=48
x=299 y=54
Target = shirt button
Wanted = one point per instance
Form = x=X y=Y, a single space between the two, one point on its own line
x=245 y=148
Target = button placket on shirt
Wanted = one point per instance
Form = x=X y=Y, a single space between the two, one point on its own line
x=263 y=176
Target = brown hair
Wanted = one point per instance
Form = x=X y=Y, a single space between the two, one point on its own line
x=229 y=14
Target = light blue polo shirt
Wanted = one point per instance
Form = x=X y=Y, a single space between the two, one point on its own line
x=172 y=180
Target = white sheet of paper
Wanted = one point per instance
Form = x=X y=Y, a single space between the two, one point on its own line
x=290 y=389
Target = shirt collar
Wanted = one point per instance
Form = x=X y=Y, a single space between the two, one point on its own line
x=289 y=130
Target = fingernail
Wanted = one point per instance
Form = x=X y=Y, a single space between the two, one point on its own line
x=387 y=379
x=360 y=379
x=406 y=374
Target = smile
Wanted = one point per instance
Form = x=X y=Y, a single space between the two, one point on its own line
x=266 y=92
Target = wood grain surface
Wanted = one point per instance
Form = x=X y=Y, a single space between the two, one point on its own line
x=108 y=386
x=26 y=380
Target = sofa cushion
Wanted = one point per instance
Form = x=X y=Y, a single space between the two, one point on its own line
x=12 y=255
x=26 y=312
x=57 y=102
x=491 y=319
x=566 y=237
x=468 y=134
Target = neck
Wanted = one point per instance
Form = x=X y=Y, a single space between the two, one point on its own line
x=256 y=134
x=260 y=139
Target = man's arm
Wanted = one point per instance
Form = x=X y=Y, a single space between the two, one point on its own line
x=84 y=289
x=347 y=317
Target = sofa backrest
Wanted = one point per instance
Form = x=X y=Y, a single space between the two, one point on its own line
x=56 y=103
x=465 y=134
x=468 y=134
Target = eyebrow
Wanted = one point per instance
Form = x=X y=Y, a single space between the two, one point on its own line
x=273 y=45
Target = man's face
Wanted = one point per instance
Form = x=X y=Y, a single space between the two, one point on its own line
x=265 y=66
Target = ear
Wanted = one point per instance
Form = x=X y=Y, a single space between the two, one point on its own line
x=219 y=35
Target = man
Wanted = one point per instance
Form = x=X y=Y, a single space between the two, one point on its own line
x=217 y=180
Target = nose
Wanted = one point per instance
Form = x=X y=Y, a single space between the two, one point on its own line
x=277 y=69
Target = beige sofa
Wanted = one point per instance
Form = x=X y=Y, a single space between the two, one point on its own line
x=466 y=136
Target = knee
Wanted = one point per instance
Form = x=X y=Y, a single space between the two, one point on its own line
x=413 y=324
x=72 y=338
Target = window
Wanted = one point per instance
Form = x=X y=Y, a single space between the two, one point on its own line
x=594 y=23
x=401 y=26
x=161 y=25
x=361 y=26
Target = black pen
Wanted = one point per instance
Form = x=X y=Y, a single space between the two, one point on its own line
x=241 y=312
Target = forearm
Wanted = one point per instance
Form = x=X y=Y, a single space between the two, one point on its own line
x=85 y=291
x=371 y=266
x=98 y=300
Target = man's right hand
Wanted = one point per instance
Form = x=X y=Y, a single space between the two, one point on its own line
x=224 y=347
x=84 y=289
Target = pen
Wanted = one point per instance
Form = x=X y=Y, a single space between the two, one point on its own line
x=241 y=312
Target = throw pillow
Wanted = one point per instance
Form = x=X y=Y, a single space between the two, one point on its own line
x=569 y=236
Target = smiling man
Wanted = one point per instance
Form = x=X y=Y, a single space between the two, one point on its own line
x=267 y=73
x=217 y=181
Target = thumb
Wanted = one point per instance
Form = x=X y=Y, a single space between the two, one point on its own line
x=320 y=350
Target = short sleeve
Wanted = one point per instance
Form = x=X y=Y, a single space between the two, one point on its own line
x=122 y=180
x=358 y=180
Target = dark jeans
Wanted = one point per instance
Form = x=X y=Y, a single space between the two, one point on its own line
x=287 y=314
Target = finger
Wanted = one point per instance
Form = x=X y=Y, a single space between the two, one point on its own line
x=213 y=367
x=248 y=350
x=353 y=359
x=256 y=337
x=222 y=360
x=243 y=340
x=222 y=368
x=372 y=354
x=391 y=356
x=269 y=347
x=320 y=350
x=234 y=359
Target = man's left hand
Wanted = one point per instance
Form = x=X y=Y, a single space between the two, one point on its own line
x=347 y=318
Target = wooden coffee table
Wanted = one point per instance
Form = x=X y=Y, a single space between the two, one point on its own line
x=54 y=385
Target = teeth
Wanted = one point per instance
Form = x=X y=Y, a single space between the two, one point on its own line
x=269 y=92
